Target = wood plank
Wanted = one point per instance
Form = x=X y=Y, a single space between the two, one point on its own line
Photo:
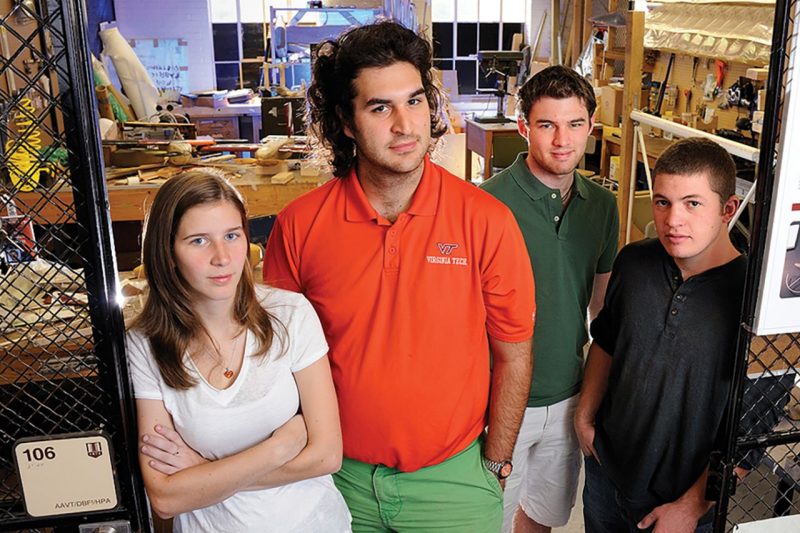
x=576 y=32
x=555 y=42
x=586 y=26
x=633 y=67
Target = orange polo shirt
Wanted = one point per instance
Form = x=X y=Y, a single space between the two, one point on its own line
x=406 y=308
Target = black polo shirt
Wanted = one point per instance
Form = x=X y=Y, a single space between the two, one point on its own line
x=673 y=347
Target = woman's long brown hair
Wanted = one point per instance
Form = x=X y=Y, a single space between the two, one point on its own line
x=168 y=318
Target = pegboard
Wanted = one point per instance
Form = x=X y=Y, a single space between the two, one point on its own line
x=686 y=77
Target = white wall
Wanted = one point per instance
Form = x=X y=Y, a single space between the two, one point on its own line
x=172 y=19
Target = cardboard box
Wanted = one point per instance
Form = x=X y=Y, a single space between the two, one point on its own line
x=758 y=74
x=610 y=107
x=758 y=121
x=613 y=168
x=711 y=126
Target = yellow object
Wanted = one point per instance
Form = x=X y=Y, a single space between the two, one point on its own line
x=255 y=255
x=138 y=272
x=24 y=167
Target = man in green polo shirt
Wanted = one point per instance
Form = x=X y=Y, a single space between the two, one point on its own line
x=571 y=226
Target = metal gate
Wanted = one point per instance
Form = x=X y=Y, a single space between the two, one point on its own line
x=62 y=368
x=763 y=421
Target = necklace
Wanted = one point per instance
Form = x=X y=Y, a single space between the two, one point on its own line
x=565 y=198
x=228 y=372
x=219 y=362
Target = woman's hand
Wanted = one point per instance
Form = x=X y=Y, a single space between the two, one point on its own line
x=168 y=452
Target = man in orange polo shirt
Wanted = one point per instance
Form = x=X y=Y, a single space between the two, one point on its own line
x=415 y=275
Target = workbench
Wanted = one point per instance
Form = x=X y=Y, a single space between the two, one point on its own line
x=130 y=202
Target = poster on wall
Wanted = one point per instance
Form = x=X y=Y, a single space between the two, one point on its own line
x=778 y=304
x=167 y=63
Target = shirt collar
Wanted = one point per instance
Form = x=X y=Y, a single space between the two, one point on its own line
x=424 y=202
x=535 y=188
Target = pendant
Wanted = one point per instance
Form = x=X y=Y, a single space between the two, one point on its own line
x=228 y=373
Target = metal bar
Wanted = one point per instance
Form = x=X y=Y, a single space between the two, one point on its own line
x=747 y=197
x=764 y=441
x=631 y=189
x=101 y=275
x=734 y=148
x=644 y=158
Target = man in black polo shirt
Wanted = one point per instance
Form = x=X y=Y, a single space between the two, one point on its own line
x=661 y=363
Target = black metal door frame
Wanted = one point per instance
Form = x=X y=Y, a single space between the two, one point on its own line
x=755 y=404
x=101 y=397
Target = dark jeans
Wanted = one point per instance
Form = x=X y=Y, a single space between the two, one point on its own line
x=605 y=510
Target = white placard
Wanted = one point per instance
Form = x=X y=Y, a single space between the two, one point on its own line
x=66 y=474
x=781 y=524
x=778 y=305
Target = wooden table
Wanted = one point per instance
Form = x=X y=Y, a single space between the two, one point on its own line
x=131 y=202
x=479 y=140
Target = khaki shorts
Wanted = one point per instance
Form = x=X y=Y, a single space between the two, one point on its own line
x=547 y=462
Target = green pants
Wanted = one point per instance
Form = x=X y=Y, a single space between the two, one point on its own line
x=457 y=495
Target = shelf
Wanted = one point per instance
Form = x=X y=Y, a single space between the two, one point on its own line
x=616 y=54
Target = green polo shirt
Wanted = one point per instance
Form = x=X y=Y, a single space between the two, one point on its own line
x=567 y=250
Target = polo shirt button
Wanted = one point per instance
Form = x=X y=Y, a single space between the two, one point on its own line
x=392 y=250
x=556 y=218
x=674 y=312
x=553 y=196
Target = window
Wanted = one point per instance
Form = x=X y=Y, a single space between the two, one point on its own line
x=461 y=28
x=239 y=30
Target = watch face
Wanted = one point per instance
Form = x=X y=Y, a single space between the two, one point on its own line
x=505 y=470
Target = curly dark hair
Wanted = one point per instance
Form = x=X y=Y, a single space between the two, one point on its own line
x=338 y=62
x=555 y=82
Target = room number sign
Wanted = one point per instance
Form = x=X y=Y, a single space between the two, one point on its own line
x=66 y=474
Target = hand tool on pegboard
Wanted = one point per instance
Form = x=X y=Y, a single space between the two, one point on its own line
x=663 y=88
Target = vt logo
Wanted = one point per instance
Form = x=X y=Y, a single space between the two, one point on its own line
x=94 y=449
x=446 y=248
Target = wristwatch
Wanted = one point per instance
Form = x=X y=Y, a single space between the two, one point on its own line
x=501 y=470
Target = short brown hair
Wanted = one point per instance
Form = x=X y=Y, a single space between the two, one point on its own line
x=697 y=155
x=557 y=82
x=168 y=318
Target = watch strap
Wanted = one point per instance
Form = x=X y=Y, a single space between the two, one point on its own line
x=497 y=468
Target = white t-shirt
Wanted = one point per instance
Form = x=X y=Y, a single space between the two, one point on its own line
x=218 y=423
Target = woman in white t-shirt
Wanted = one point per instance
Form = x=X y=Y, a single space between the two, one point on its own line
x=220 y=369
